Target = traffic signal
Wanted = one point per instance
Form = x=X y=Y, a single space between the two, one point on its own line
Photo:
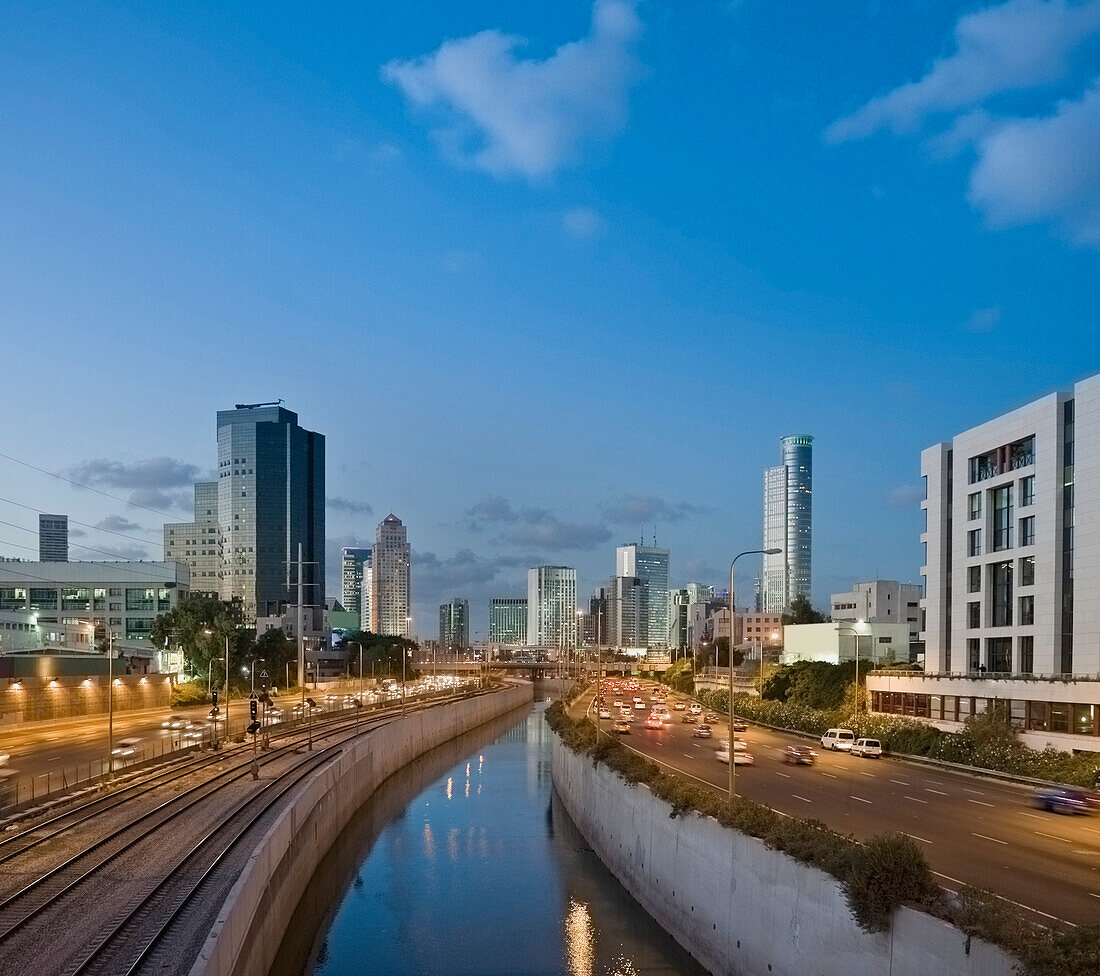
x=252 y=708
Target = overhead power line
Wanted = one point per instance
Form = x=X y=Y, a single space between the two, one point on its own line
x=88 y=525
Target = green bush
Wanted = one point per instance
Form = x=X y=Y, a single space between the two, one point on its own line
x=888 y=871
x=189 y=694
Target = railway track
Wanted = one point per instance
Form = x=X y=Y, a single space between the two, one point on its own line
x=149 y=902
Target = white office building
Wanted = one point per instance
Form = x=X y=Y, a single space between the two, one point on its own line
x=628 y=617
x=198 y=544
x=881 y=602
x=391 y=579
x=552 y=607
x=1012 y=571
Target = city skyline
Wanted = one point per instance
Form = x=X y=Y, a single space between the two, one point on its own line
x=824 y=234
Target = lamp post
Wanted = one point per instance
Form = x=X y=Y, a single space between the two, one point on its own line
x=855 y=630
x=210 y=633
x=733 y=610
x=252 y=671
x=404 y=656
x=110 y=692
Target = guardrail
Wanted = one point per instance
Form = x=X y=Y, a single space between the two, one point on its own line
x=982 y=675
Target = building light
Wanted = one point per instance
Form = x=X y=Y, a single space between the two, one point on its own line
x=16 y=686
x=53 y=682
x=87 y=682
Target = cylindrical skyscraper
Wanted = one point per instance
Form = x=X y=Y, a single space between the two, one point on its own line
x=788 y=525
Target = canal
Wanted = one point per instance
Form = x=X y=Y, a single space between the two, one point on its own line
x=466 y=865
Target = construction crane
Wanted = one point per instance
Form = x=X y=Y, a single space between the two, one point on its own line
x=252 y=406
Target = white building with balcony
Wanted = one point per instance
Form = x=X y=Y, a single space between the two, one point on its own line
x=1012 y=571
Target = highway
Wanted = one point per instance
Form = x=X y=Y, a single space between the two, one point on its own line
x=974 y=830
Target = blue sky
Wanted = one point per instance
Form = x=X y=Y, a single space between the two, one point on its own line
x=542 y=275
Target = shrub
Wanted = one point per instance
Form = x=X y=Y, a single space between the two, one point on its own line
x=189 y=694
x=887 y=872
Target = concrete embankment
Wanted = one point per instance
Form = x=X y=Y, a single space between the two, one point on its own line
x=741 y=908
x=261 y=904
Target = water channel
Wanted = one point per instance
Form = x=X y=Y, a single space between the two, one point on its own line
x=465 y=864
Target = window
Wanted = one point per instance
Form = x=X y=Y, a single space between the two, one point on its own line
x=141 y=599
x=1027 y=655
x=1027 y=571
x=1027 y=491
x=1084 y=719
x=974 y=506
x=999 y=654
x=973 y=615
x=1059 y=717
x=1001 y=574
x=1027 y=610
x=974 y=542
x=974 y=579
x=1027 y=531
x=1002 y=518
x=1037 y=716
x=973 y=654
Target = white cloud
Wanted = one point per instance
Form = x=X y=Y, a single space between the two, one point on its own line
x=582 y=223
x=1042 y=169
x=1014 y=46
x=505 y=114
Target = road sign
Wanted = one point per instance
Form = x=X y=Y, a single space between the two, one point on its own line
x=263 y=674
x=253 y=728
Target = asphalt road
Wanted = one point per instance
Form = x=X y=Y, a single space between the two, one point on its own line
x=974 y=831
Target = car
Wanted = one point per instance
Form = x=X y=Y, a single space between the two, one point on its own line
x=688 y=719
x=739 y=726
x=126 y=747
x=654 y=723
x=701 y=732
x=175 y=722
x=867 y=748
x=695 y=708
x=1061 y=799
x=838 y=739
x=618 y=703
x=679 y=706
x=711 y=717
x=740 y=758
x=799 y=756
x=605 y=713
x=620 y=728
x=639 y=706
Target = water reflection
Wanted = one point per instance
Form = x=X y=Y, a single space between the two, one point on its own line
x=483 y=881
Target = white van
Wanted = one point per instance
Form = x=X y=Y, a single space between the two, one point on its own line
x=867 y=747
x=841 y=739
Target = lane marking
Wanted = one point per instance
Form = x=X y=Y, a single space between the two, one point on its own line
x=1065 y=840
x=975 y=792
x=980 y=803
x=938 y=792
x=994 y=839
x=830 y=775
x=1034 y=816
x=802 y=798
x=784 y=775
x=900 y=782
x=917 y=799
x=860 y=798
x=1092 y=853
x=915 y=837
x=940 y=874
x=1094 y=894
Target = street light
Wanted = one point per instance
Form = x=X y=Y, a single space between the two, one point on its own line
x=855 y=630
x=252 y=671
x=733 y=610
x=404 y=654
x=110 y=691
x=210 y=633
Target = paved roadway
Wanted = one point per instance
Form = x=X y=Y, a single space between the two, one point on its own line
x=973 y=830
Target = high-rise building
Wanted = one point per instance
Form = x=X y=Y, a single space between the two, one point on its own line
x=454 y=624
x=391 y=579
x=788 y=525
x=53 y=538
x=552 y=607
x=1012 y=575
x=198 y=544
x=688 y=614
x=270 y=491
x=881 y=602
x=508 y=620
x=650 y=565
x=353 y=559
x=628 y=612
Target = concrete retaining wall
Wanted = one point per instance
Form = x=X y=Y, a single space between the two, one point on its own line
x=260 y=906
x=743 y=909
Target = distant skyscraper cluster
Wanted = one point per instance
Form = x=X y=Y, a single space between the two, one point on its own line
x=788 y=525
x=269 y=497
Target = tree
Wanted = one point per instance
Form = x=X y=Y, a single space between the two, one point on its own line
x=383 y=652
x=802 y=612
x=199 y=625
x=723 y=645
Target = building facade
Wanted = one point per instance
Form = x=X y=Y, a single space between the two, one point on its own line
x=125 y=597
x=552 y=607
x=391 y=579
x=353 y=559
x=628 y=614
x=270 y=491
x=508 y=620
x=650 y=565
x=788 y=526
x=53 y=538
x=454 y=624
x=198 y=544
x=836 y=643
x=1012 y=575
x=881 y=602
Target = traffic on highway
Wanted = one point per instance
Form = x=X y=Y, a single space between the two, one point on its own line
x=1026 y=845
